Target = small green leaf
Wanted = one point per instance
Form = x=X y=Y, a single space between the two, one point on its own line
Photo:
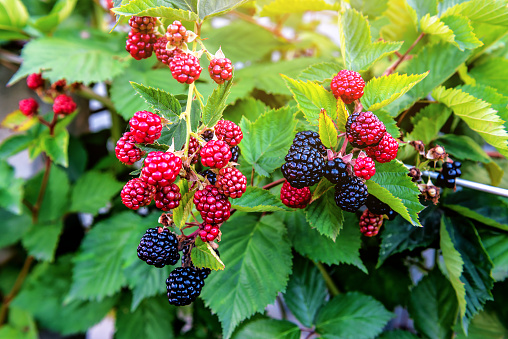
x=56 y=147
x=209 y=9
x=12 y=227
x=11 y=189
x=176 y=135
x=41 y=240
x=423 y=7
x=162 y=102
x=384 y=90
x=60 y=11
x=182 y=212
x=93 y=191
x=21 y=325
x=352 y=315
x=324 y=215
x=203 y=255
x=327 y=132
x=153 y=8
x=433 y=26
x=216 y=104
x=268 y=328
x=322 y=187
x=428 y=122
x=463 y=147
x=321 y=72
x=256 y=199
x=489 y=214
x=492 y=12
x=464 y=35
x=280 y=7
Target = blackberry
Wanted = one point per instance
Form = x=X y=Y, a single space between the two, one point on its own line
x=208 y=232
x=177 y=34
x=385 y=151
x=207 y=135
x=443 y=181
x=221 y=70
x=215 y=154
x=168 y=197
x=184 y=285
x=28 y=107
x=351 y=195
x=140 y=45
x=213 y=206
x=161 y=168
x=185 y=68
x=392 y=214
x=164 y=55
x=187 y=262
x=309 y=138
x=210 y=175
x=336 y=171
x=235 y=153
x=194 y=149
x=35 y=81
x=64 y=104
x=376 y=206
x=159 y=247
x=231 y=182
x=126 y=150
x=143 y=24
x=229 y=132
x=136 y=193
x=145 y=127
x=304 y=167
x=364 y=129
x=364 y=168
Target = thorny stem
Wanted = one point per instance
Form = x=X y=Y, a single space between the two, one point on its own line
x=392 y=68
x=329 y=282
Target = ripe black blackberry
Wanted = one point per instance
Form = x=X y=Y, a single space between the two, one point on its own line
x=443 y=181
x=210 y=175
x=309 y=138
x=159 y=247
x=449 y=172
x=184 y=285
x=235 y=151
x=376 y=206
x=391 y=214
x=207 y=135
x=336 y=171
x=351 y=195
x=304 y=166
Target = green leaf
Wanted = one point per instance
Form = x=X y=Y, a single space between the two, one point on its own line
x=393 y=186
x=311 y=98
x=250 y=108
x=308 y=242
x=322 y=187
x=43 y=295
x=60 y=11
x=216 y=104
x=324 y=216
x=431 y=25
x=370 y=8
x=321 y=72
x=264 y=143
x=492 y=72
x=423 y=7
x=96 y=57
x=93 y=191
x=327 y=131
x=176 y=135
x=402 y=25
x=477 y=114
x=229 y=293
x=209 y=9
x=21 y=325
x=41 y=240
x=358 y=51
x=281 y=7
x=203 y=255
x=161 y=101
x=14 y=144
x=56 y=147
x=464 y=35
x=13 y=15
x=428 y=122
x=398 y=334
x=433 y=306
x=256 y=199
x=383 y=90
x=101 y=256
x=492 y=12
x=463 y=147
x=496 y=245
x=12 y=227
x=485 y=325
x=352 y=315
x=306 y=291
x=11 y=189
x=389 y=122
x=182 y=212
x=490 y=95
x=268 y=328
x=153 y=8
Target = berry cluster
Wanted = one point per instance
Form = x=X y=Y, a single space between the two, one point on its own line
x=370 y=223
x=142 y=37
x=449 y=172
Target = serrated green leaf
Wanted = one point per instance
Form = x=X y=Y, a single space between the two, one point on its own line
x=463 y=147
x=422 y=8
x=250 y=108
x=352 y=315
x=403 y=23
x=229 y=293
x=492 y=72
x=321 y=72
x=477 y=114
x=490 y=95
x=93 y=191
x=431 y=25
x=496 y=245
x=324 y=215
x=392 y=185
x=280 y=7
x=182 y=212
x=175 y=134
x=56 y=147
x=358 y=51
x=433 y=306
x=11 y=189
x=264 y=143
x=428 y=122
x=389 y=122
x=208 y=9
x=485 y=325
x=96 y=57
x=492 y=12
x=469 y=213
x=203 y=255
x=322 y=187
x=311 y=98
x=256 y=199
x=216 y=104
x=381 y=91
x=370 y=8
x=14 y=144
x=161 y=101
x=13 y=227
x=154 y=8
x=308 y=242
x=41 y=240
x=327 y=131
x=464 y=35
x=268 y=328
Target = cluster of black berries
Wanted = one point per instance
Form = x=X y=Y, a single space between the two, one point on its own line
x=449 y=172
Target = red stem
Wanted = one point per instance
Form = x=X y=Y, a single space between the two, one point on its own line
x=392 y=68
x=273 y=184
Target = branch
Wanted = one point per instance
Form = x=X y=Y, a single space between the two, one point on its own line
x=273 y=184
x=334 y=290
x=392 y=68
x=15 y=289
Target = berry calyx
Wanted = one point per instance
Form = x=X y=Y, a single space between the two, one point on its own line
x=376 y=206
x=208 y=232
x=137 y=193
x=140 y=45
x=126 y=150
x=309 y=139
x=351 y=195
x=364 y=168
x=64 y=104
x=35 y=81
x=229 y=132
x=184 y=285
x=221 y=70
x=370 y=223
x=168 y=197
x=176 y=34
x=28 y=107
x=163 y=55
x=161 y=168
x=336 y=171
x=304 y=166
x=159 y=247
x=215 y=154
x=142 y=24
x=385 y=151
x=185 y=68
x=213 y=206
x=231 y=182
x=146 y=127
x=294 y=197
x=364 y=129
x=347 y=85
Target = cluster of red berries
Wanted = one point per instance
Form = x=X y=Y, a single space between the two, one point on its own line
x=142 y=37
x=62 y=103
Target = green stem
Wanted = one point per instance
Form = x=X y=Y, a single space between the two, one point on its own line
x=329 y=282
x=188 y=108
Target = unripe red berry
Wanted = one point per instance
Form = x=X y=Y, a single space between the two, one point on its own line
x=64 y=104
x=34 y=81
x=140 y=45
x=176 y=34
x=143 y=24
x=385 y=151
x=365 y=168
x=185 y=68
x=215 y=154
x=213 y=206
x=167 y=198
x=221 y=70
x=364 y=129
x=231 y=182
x=294 y=197
x=370 y=223
x=163 y=55
x=229 y=132
x=137 y=193
x=146 y=127
x=126 y=150
x=348 y=85
x=28 y=107
x=208 y=232
x=161 y=168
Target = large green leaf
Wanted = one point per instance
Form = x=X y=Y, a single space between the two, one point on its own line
x=398 y=334
x=423 y=7
x=477 y=114
x=428 y=122
x=259 y=248
x=492 y=96
x=463 y=147
x=324 y=215
x=492 y=72
x=463 y=31
x=11 y=189
x=352 y=315
x=393 y=186
x=12 y=227
x=256 y=199
x=161 y=101
x=431 y=25
x=96 y=57
x=42 y=239
x=482 y=11
x=370 y=8
x=433 y=306
x=281 y=7
x=485 y=325
x=154 y=8
x=93 y=191
x=216 y=104
x=264 y=143
x=496 y=245
x=383 y=90
x=402 y=25
x=321 y=72
x=308 y=242
x=268 y=328
x=358 y=51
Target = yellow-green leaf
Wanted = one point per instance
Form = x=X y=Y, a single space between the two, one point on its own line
x=327 y=131
x=17 y=121
x=203 y=255
x=432 y=25
x=279 y=7
x=342 y=115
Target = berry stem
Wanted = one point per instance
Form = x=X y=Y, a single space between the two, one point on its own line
x=252 y=177
x=343 y=148
x=329 y=282
x=273 y=184
x=188 y=118
x=193 y=234
x=42 y=191
x=393 y=67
